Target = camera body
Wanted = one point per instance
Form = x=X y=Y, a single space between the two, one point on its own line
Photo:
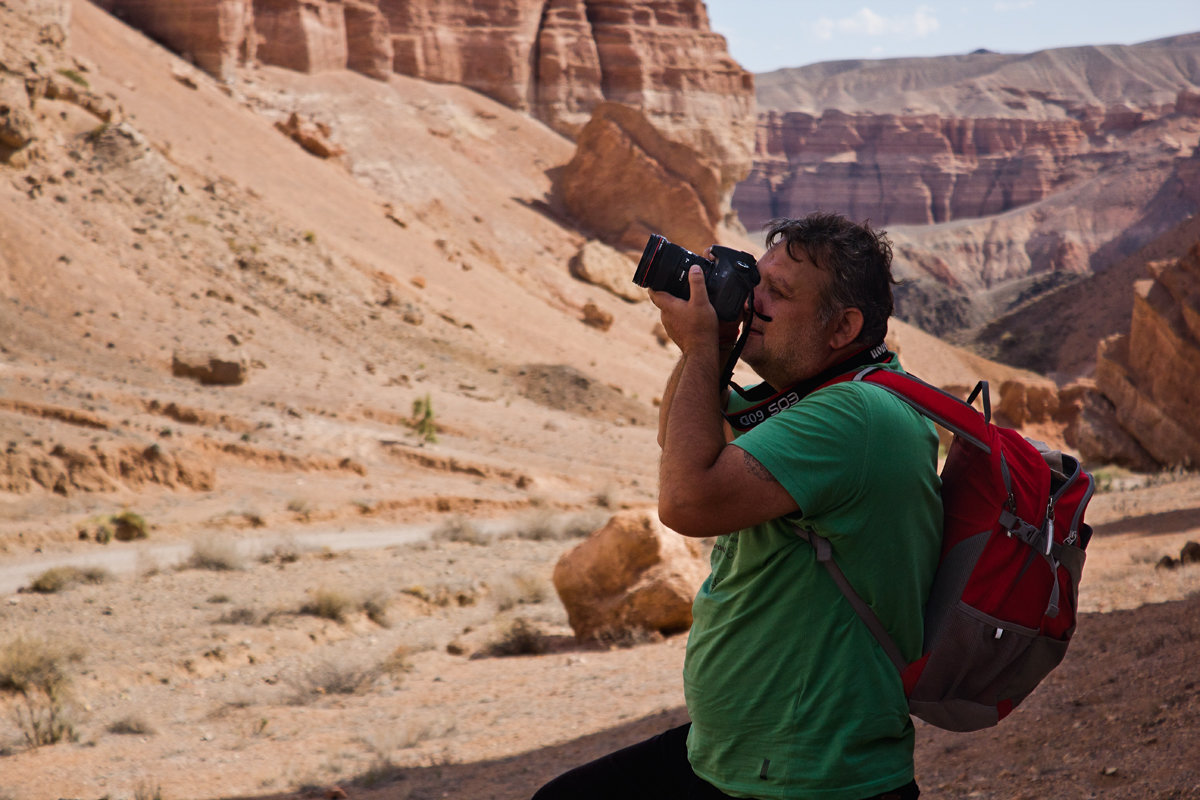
x=728 y=278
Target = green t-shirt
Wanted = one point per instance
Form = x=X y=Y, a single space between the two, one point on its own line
x=789 y=694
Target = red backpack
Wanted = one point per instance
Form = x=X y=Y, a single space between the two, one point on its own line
x=1002 y=608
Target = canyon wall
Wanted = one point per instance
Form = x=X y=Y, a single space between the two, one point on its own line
x=1150 y=376
x=557 y=59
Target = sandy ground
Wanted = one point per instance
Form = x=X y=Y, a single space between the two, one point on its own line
x=205 y=682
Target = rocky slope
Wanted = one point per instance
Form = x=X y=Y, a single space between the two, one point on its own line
x=556 y=59
x=368 y=301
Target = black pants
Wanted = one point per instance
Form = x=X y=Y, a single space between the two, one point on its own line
x=656 y=769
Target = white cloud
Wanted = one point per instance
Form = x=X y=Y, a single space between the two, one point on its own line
x=866 y=22
x=1012 y=5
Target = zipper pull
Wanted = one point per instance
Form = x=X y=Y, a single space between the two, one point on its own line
x=1049 y=526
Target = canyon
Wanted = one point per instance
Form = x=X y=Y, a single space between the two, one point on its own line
x=254 y=302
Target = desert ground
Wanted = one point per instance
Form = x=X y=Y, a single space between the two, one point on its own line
x=443 y=666
x=331 y=601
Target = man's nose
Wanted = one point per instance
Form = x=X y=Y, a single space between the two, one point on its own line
x=754 y=305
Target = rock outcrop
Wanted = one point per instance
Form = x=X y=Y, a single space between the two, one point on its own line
x=1151 y=376
x=215 y=35
x=629 y=577
x=628 y=180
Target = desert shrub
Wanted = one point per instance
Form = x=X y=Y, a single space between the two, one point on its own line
x=215 y=554
x=130 y=726
x=375 y=606
x=45 y=718
x=36 y=671
x=460 y=529
x=124 y=527
x=300 y=507
x=338 y=606
x=422 y=418
x=443 y=595
x=144 y=791
x=329 y=604
x=546 y=525
x=56 y=579
x=239 y=616
x=286 y=552
x=28 y=663
x=520 y=638
x=128 y=526
x=331 y=677
x=518 y=589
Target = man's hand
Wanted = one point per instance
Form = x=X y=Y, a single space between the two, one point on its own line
x=693 y=322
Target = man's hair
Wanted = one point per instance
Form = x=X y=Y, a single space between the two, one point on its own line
x=858 y=259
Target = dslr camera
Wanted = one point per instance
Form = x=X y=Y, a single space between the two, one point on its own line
x=728 y=278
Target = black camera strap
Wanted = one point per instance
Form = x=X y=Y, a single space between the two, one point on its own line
x=768 y=401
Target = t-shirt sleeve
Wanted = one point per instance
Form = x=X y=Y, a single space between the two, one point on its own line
x=816 y=449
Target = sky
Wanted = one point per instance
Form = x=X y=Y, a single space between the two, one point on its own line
x=765 y=35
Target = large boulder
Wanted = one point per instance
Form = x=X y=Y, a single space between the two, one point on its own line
x=600 y=265
x=630 y=576
x=628 y=180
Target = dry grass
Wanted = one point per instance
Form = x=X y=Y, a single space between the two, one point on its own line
x=339 y=606
x=130 y=726
x=520 y=588
x=57 y=579
x=36 y=670
x=217 y=554
x=520 y=638
x=461 y=529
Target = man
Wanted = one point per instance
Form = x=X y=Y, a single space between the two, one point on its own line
x=788 y=692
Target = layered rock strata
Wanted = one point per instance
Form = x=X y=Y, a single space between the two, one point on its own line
x=557 y=59
x=926 y=169
x=1151 y=375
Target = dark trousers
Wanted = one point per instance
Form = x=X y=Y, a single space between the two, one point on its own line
x=656 y=769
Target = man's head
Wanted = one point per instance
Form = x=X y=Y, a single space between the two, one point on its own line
x=825 y=294
x=857 y=258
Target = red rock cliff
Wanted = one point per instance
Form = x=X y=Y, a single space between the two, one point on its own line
x=1152 y=374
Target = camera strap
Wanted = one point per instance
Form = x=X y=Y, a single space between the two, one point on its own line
x=767 y=401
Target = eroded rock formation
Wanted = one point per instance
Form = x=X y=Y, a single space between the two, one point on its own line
x=1151 y=376
x=628 y=180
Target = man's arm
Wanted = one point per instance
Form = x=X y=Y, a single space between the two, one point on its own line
x=706 y=485
x=664 y=408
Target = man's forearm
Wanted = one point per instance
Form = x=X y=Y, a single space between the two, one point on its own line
x=692 y=434
x=664 y=408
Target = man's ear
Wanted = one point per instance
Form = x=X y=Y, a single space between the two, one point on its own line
x=849 y=326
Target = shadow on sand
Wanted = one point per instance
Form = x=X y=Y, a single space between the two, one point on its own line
x=512 y=778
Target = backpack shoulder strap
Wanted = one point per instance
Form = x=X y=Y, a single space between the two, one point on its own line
x=944 y=409
x=864 y=611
